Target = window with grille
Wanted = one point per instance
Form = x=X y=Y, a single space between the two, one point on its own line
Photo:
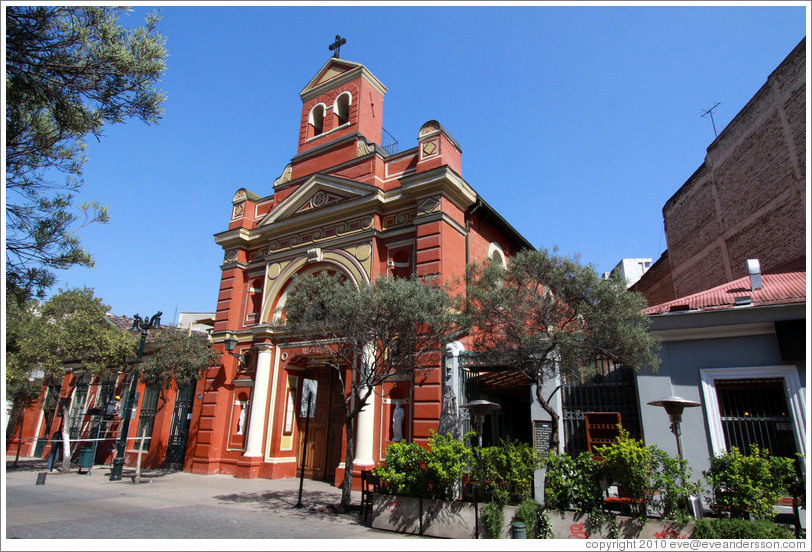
x=146 y=418
x=77 y=411
x=754 y=411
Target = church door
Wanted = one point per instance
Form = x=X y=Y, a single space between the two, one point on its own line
x=323 y=444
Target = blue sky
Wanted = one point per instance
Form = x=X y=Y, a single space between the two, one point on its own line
x=577 y=123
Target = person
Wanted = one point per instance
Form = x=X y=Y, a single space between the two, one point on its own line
x=113 y=406
x=56 y=449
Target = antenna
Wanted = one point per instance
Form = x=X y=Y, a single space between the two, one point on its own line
x=710 y=111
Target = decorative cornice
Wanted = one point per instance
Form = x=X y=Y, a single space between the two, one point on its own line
x=441 y=180
x=237 y=237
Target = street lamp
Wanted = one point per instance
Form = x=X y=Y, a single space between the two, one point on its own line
x=143 y=325
x=479 y=409
x=230 y=344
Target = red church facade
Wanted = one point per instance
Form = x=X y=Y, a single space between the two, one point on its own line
x=346 y=205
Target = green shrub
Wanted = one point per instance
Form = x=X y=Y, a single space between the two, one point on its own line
x=493 y=519
x=631 y=465
x=673 y=485
x=723 y=528
x=749 y=485
x=535 y=519
x=573 y=482
x=412 y=470
x=649 y=477
x=403 y=472
x=505 y=473
x=448 y=460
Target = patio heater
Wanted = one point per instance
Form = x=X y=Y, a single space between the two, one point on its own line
x=479 y=409
x=674 y=406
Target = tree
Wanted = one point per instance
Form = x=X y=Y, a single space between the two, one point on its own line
x=23 y=380
x=392 y=327
x=548 y=315
x=70 y=327
x=70 y=70
x=176 y=357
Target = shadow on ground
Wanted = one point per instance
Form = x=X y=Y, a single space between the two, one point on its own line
x=323 y=505
x=41 y=465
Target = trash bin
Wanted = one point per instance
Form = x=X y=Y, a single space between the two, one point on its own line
x=86 y=459
x=519 y=530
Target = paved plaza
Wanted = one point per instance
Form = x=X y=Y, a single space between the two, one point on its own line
x=172 y=505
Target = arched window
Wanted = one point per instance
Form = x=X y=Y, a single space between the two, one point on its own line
x=496 y=255
x=341 y=108
x=316 y=120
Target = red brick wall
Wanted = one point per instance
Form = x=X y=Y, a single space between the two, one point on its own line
x=747 y=200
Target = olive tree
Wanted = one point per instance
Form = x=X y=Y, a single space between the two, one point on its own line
x=547 y=316
x=391 y=327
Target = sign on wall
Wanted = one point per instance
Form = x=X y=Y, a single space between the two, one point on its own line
x=542 y=431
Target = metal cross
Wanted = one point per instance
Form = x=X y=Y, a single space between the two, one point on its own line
x=337 y=46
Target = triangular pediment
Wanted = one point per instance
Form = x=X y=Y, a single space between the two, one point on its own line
x=318 y=192
x=337 y=72
x=332 y=69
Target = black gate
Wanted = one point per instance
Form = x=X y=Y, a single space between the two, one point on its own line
x=614 y=391
x=181 y=418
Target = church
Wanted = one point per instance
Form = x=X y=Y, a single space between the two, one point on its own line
x=348 y=204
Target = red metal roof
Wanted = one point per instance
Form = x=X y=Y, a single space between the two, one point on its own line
x=782 y=284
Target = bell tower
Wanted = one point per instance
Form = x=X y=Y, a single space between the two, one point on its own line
x=343 y=98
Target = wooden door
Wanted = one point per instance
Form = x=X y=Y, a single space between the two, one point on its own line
x=322 y=447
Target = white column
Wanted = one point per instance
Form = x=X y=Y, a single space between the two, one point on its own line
x=366 y=429
x=259 y=402
x=366 y=419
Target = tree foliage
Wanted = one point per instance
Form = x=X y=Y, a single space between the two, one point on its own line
x=71 y=327
x=548 y=315
x=176 y=357
x=23 y=378
x=373 y=332
x=70 y=70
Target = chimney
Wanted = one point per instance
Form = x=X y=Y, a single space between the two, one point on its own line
x=754 y=269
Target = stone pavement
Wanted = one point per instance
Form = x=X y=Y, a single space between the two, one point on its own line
x=171 y=505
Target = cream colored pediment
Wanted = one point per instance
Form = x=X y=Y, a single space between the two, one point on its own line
x=333 y=68
x=318 y=192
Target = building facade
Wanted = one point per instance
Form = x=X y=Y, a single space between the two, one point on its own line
x=90 y=407
x=748 y=198
x=345 y=205
x=739 y=351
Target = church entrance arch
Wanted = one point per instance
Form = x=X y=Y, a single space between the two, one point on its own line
x=323 y=441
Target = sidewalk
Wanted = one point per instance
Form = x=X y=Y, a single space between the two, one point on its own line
x=169 y=504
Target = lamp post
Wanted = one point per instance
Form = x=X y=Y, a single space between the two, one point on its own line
x=230 y=343
x=143 y=325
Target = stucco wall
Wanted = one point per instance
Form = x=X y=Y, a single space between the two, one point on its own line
x=679 y=374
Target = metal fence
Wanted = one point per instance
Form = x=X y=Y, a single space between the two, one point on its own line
x=613 y=392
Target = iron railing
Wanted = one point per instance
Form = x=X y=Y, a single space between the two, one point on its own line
x=389 y=143
x=754 y=412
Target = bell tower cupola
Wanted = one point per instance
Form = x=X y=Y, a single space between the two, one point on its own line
x=343 y=98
